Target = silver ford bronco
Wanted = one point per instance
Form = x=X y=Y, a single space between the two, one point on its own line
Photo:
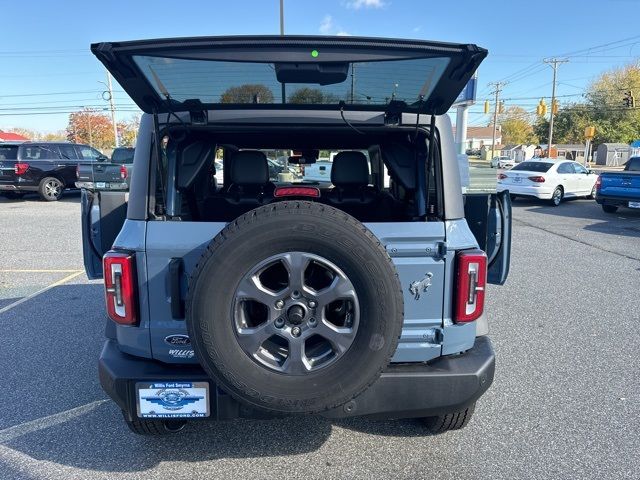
x=236 y=288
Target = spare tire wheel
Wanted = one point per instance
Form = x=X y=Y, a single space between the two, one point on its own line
x=294 y=307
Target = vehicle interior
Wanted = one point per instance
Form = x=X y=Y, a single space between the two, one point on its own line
x=373 y=176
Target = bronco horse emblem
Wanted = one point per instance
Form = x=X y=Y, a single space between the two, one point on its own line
x=420 y=286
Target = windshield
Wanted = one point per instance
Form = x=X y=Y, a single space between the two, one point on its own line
x=364 y=83
x=533 y=166
x=122 y=155
x=633 y=165
x=8 y=152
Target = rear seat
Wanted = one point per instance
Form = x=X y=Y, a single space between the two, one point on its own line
x=250 y=188
x=352 y=192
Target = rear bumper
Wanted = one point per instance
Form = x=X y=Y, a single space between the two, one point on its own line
x=616 y=201
x=543 y=192
x=448 y=384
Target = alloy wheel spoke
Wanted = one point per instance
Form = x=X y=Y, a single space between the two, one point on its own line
x=295 y=263
x=250 y=339
x=251 y=289
x=340 y=288
x=340 y=338
x=296 y=362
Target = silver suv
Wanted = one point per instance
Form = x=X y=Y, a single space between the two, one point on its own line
x=362 y=296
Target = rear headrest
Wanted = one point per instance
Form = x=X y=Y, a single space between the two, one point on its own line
x=350 y=169
x=249 y=167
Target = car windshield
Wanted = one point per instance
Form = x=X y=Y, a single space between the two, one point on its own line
x=633 y=165
x=8 y=152
x=533 y=166
x=122 y=155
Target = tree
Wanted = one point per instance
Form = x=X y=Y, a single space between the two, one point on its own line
x=88 y=126
x=59 y=136
x=247 y=93
x=614 y=121
x=516 y=127
x=128 y=131
x=307 y=95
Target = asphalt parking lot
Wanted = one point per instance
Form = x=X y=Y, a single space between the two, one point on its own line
x=565 y=402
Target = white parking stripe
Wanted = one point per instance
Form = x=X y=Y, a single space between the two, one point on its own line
x=35 y=294
x=16 y=431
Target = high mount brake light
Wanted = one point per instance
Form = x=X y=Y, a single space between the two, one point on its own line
x=471 y=281
x=297 y=192
x=120 y=287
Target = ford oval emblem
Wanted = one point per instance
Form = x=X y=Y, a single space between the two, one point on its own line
x=178 y=340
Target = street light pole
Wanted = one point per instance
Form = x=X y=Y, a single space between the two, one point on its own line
x=112 y=107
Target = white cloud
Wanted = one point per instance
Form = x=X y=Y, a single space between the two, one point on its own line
x=416 y=29
x=358 y=4
x=326 y=25
x=329 y=27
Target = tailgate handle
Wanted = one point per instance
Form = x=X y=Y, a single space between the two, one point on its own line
x=175 y=273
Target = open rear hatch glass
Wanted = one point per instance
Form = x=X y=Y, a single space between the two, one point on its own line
x=188 y=74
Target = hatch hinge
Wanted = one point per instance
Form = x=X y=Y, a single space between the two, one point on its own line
x=441 y=250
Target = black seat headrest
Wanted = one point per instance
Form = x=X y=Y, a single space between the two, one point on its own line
x=350 y=169
x=249 y=167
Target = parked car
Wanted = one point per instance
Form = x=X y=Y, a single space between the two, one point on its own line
x=549 y=180
x=620 y=189
x=503 y=162
x=47 y=168
x=271 y=298
x=318 y=172
x=114 y=174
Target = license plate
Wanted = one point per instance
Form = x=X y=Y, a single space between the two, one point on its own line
x=172 y=399
x=634 y=204
x=517 y=180
x=101 y=184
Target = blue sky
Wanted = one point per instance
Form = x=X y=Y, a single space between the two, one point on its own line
x=46 y=65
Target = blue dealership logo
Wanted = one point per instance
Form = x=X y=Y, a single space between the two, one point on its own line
x=173 y=399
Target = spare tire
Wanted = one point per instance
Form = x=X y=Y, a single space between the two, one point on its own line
x=294 y=307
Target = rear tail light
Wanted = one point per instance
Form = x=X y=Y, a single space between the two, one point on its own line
x=123 y=172
x=598 y=183
x=471 y=281
x=502 y=176
x=537 y=179
x=297 y=192
x=21 y=168
x=120 y=287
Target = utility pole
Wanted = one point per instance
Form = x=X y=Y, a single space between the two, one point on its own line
x=498 y=88
x=554 y=62
x=108 y=95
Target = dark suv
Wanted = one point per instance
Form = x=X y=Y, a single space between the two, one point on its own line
x=43 y=167
x=256 y=296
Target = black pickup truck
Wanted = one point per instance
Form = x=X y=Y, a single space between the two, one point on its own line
x=47 y=168
x=108 y=175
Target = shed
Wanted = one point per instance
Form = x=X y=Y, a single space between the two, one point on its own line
x=612 y=154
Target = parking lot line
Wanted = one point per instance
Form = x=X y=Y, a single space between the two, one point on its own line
x=16 y=431
x=18 y=270
x=35 y=294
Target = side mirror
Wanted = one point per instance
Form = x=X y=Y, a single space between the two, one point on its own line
x=591 y=172
x=102 y=158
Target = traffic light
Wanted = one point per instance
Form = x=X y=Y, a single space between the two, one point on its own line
x=486 y=106
x=501 y=107
x=541 y=109
x=629 y=99
x=554 y=106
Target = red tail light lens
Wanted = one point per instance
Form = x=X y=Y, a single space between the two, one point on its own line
x=537 y=179
x=297 y=192
x=123 y=172
x=21 y=168
x=502 y=176
x=471 y=281
x=598 y=183
x=120 y=287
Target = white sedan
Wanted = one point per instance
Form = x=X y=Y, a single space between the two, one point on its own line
x=549 y=180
